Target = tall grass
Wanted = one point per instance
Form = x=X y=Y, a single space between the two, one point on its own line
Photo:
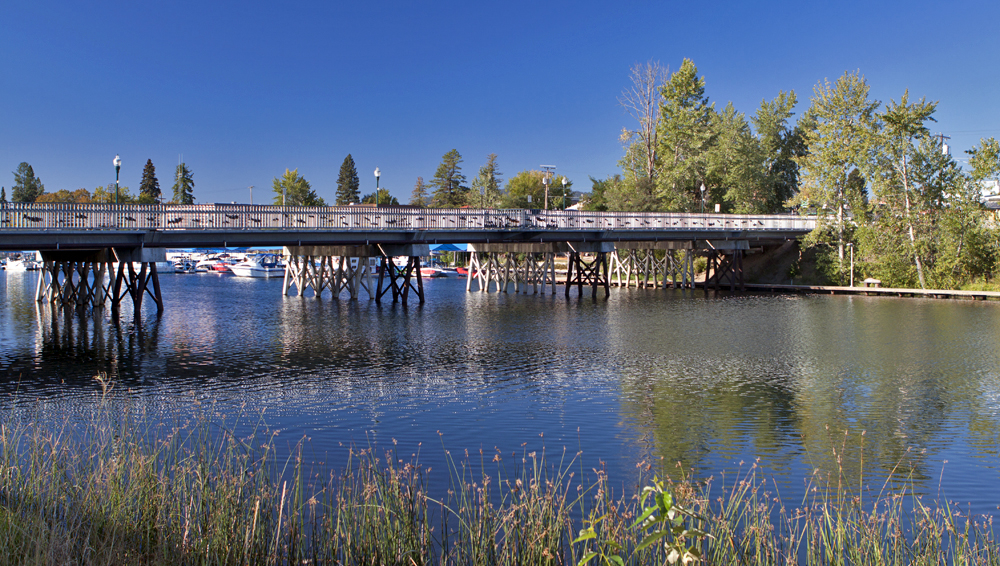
x=120 y=490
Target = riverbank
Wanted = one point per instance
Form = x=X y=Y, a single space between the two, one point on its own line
x=119 y=490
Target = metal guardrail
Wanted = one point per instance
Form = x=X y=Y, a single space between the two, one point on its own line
x=242 y=218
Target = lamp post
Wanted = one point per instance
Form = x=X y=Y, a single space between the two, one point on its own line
x=251 y=195
x=703 y=198
x=377 y=175
x=118 y=167
x=545 y=181
x=564 y=192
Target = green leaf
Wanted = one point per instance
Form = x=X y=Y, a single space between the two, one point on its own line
x=586 y=558
x=642 y=518
x=586 y=534
x=651 y=539
x=616 y=559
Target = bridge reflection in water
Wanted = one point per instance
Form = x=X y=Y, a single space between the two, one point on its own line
x=98 y=254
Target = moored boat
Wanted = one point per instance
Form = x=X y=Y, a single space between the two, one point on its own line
x=259 y=266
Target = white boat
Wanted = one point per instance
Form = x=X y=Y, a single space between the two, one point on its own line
x=184 y=266
x=17 y=265
x=259 y=266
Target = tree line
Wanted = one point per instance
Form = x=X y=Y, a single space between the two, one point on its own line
x=879 y=181
x=29 y=188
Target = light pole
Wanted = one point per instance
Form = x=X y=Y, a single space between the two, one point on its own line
x=118 y=167
x=251 y=195
x=564 y=193
x=703 y=198
x=546 y=179
x=377 y=175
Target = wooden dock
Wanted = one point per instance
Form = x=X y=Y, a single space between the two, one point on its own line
x=876 y=291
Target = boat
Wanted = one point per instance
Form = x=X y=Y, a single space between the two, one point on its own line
x=184 y=266
x=259 y=266
x=431 y=271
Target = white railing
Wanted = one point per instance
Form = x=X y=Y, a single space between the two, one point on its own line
x=238 y=217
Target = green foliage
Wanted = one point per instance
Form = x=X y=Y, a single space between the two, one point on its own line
x=27 y=187
x=985 y=160
x=522 y=185
x=485 y=191
x=183 y=185
x=106 y=195
x=3 y=195
x=79 y=196
x=384 y=198
x=293 y=190
x=149 y=187
x=596 y=200
x=348 y=184
x=449 y=182
x=686 y=135
x=419 y=195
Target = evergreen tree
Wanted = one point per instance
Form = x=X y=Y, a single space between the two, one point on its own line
x=419 y=195
x=449 y=182
x=486 y=192
x=685 y=136
x=183 y=185
x=293 y=190
x=348 y=184
x=27 y=187
x=149 y=187
x=3 y=195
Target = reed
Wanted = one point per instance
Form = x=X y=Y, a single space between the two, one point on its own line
x=126 y=490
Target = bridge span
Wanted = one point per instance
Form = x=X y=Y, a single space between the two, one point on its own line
x=82 y=243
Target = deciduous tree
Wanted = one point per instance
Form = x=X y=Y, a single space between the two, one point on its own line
x=293 y=190
x=27 y=187
x=183 y=185
x=348 y=184
x=384 y=198
x=642 y=100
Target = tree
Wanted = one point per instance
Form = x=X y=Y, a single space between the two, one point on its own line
x=685 y=135
x=485 y=191
x=902 y=123
x=183 y=185
x=27 y=187
x=449 y=182
x=3 y=195
x=106 y=195
x=596 y=200
x=348 y=184
x=734 y=165
x=384 y=198
x=79 y=196
x=839 y=131
x=149 y=187
x=419 y=195
x=642 y=101
x=521 y=186
x=293 y=190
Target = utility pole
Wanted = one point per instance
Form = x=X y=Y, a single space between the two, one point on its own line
x=549 y=169
x=944 y=146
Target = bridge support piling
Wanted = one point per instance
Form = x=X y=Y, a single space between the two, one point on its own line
x=523 y=264
x=83 y=278
x=725 y=264
x=401 y=280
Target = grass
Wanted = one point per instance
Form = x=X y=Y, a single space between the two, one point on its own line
x=117 y=490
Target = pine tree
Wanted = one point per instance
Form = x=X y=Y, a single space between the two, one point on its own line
x=149 y=188
x=183 y=185
x=485 y=192
x=3 y=195
x=27 y=187
x=419 y=195
x=448 y=182
x=348 y=184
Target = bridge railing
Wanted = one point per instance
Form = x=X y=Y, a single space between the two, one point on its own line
x=240 y=217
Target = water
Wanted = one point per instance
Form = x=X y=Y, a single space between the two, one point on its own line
x=645 y=376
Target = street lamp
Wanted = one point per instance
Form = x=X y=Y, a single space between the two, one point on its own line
x=703 y=198
x=251 y=195
x=118 y=166
x=564 y=193
x=545 y=181
x=377 y=175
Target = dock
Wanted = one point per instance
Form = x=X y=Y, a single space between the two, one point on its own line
x=875 y=291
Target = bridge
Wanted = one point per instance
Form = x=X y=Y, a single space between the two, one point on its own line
x=81 y=243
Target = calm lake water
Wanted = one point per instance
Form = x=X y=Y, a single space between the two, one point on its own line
x=642 y=376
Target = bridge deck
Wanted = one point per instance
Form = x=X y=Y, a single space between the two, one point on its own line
x=69 y=226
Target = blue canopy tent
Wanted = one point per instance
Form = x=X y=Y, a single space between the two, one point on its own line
x=449 y=247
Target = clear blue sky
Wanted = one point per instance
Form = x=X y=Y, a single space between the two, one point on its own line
x=247 y=89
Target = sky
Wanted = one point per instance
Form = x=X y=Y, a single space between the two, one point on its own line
x=242 y=91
